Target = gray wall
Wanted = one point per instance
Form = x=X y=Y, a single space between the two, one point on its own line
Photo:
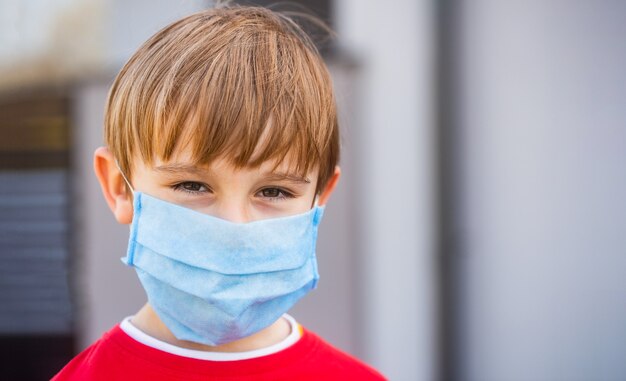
x=394 y=218
x=543 y=151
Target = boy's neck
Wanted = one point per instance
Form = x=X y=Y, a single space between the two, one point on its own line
x=149 y=322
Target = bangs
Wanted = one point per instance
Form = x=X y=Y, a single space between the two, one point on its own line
x=244 y=84
x=256 y=101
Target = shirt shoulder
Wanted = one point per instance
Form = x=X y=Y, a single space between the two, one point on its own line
x=90 y=363
x=324 y=361
x=117 y=356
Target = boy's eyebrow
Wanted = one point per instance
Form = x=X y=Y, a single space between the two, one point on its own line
x=193 y=169
x=286 y=176
x=180 y=168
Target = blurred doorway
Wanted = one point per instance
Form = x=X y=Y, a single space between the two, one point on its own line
x=36 y=337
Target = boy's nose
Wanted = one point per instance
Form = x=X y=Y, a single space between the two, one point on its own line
x=233 y=211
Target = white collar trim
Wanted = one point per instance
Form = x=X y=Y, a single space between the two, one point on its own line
x=150 y=341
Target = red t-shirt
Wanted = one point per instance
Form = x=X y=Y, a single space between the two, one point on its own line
x=117 y=356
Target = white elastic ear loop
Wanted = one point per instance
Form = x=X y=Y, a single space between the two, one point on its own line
x=316 y=201
x=132 y=190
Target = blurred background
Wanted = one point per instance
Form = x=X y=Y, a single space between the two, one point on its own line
x=477 y=233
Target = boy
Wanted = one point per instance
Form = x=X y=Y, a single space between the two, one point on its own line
x=222 y=149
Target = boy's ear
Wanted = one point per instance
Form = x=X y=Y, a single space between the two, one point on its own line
x=114 y=189
x=330 y=187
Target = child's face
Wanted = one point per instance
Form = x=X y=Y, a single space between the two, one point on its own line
x=223 y=191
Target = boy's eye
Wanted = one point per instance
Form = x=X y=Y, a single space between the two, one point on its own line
x=191 y=186
x=271 y=192
x=275 y=193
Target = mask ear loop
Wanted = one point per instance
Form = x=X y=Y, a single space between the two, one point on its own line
x=316 y=201
x=132 y=190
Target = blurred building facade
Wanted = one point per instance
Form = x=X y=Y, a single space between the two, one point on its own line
x=535 y=116
x=477 y=230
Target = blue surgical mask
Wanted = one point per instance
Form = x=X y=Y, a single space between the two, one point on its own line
x=212 y=281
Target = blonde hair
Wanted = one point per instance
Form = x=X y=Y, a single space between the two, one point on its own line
x=243 y=83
